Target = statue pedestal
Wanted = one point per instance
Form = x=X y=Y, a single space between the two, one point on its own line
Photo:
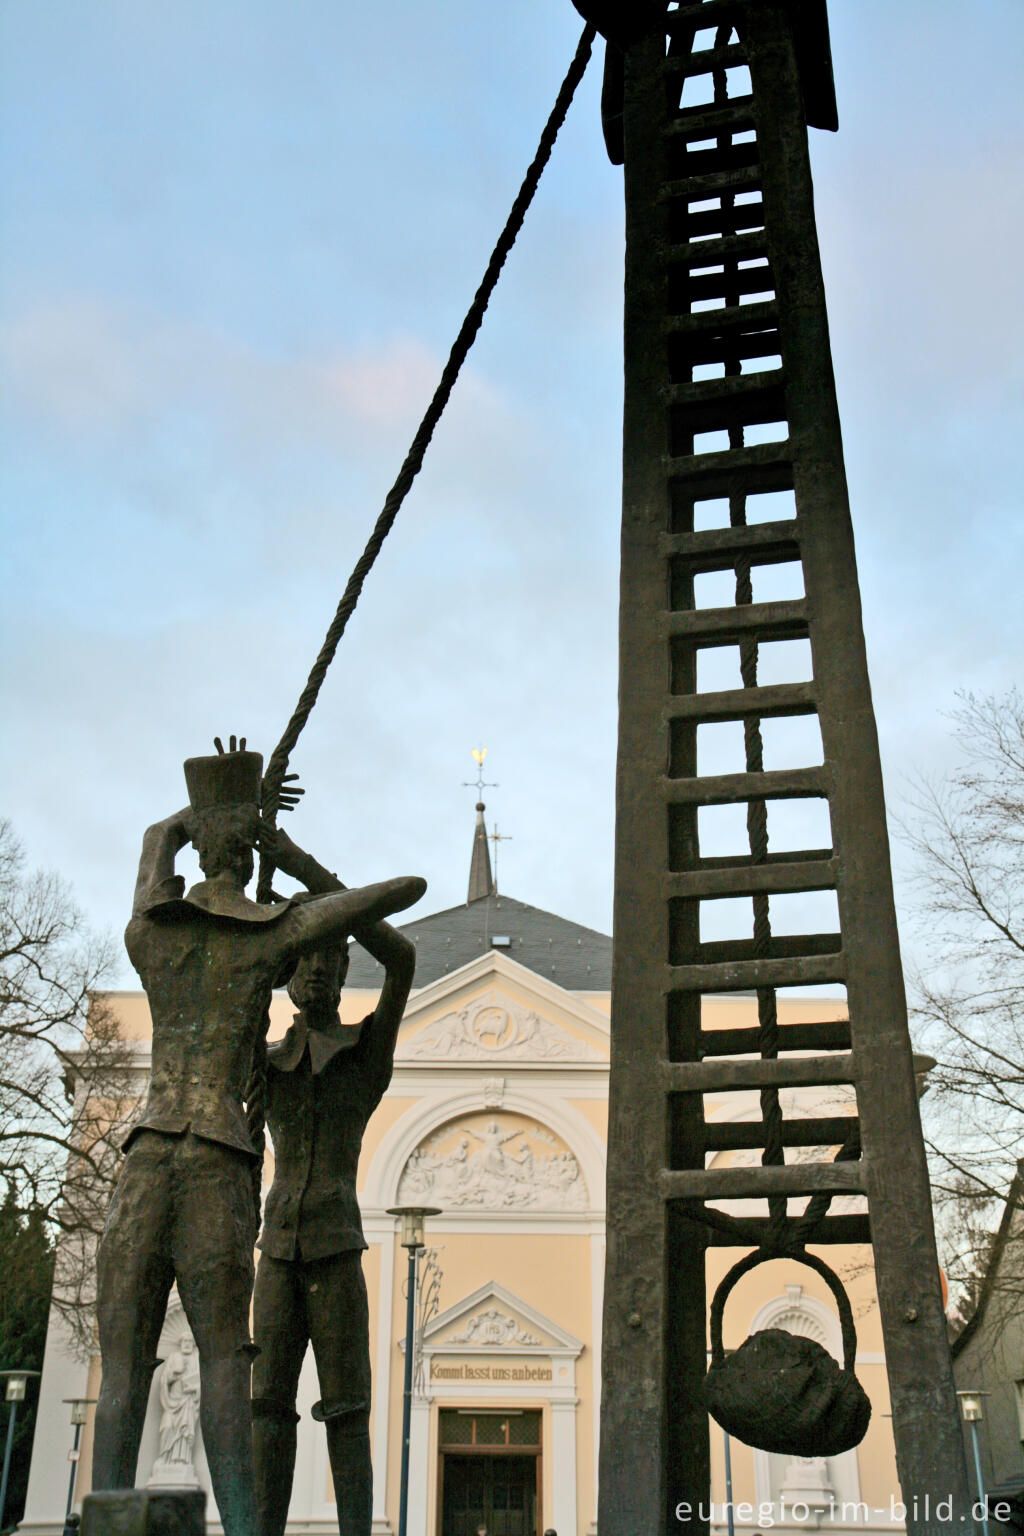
x=173 y=1474
x=145 y=1512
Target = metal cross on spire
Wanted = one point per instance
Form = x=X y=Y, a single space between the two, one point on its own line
x=497 y=837
x=479 y=783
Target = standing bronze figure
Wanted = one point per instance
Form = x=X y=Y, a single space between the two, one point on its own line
x=183 y=1208
x=324 y=1080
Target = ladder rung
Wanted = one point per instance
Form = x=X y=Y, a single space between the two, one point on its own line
x=732 y=461
x=816 y=1131
x=706 y=253
x=827 y=1035
x=707 y=122
x=734 y=788
x=746 y=975
x=702 y=159
x=756 y=1183
x=768 y=703
x=688 y=289
x=746 y=880
x=725 y=626
x=785 y=1072
x=711 y=184
x=719 y=221
x=755 y=1231
x=781 y=946
x=706 y=59
x=724 y=544
x=741 y=317
x=711 y=14
x=741 y=387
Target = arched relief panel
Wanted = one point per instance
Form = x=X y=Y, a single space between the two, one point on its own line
x=551 y=1144
x=493 y=1160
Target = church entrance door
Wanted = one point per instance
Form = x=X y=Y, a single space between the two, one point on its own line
x=490 y=1472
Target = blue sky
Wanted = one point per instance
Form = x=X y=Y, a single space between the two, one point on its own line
x=238 y=242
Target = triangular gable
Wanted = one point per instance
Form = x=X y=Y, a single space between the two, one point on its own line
x=493 y=1317
x=495 y=1011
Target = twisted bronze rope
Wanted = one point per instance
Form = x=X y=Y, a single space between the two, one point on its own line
x=413 y=463
x=278 y=765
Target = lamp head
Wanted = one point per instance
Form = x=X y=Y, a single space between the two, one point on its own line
x=413 y=1217
x=17 y=1381
x=971 y=1406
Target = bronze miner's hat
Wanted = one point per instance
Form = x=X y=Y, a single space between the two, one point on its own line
x=230 y=778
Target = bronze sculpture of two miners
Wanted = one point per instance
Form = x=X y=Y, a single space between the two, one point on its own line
x=183 y=1210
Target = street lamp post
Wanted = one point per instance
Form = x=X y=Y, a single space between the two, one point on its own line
x=412 y=1217
x=973 y=1410
x=79 y=1413
x=15 y=1394
x=728 y=1485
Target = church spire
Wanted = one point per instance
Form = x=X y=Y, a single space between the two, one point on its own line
x=481 y=882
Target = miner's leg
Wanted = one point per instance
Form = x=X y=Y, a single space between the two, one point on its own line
x=281 y=1335
x=134 y=1275
x=340 y=1329
x=214 y=1233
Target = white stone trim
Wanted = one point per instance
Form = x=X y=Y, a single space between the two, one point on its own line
x=597 y=1260
x=419 y=1467
x=563 y=1464
x=552 y=1223
x=385 y=1238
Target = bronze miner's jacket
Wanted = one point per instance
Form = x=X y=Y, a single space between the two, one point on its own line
x=209 y=981
x=321 y=1092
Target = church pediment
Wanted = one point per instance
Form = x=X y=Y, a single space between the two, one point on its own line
x=496 y=1012
x=494 y=1318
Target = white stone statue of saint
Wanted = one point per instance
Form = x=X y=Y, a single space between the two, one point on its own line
x=179 y=1417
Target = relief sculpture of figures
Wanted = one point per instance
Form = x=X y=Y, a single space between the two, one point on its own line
x=183 y=1209
x=324 y=1080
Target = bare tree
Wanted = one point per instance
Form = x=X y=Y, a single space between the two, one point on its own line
x=66 y=1090
x=967 y=837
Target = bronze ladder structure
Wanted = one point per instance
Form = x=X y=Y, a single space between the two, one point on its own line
x=726 y=340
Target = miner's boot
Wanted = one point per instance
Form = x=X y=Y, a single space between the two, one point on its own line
x=273 y=1444
x=348 y=1446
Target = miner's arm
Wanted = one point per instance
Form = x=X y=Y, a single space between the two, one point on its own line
x=160 y=844
x=337 y=910
x=391 y=948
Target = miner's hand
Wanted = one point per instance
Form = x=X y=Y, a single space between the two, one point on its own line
x=286 y=799
x=266 y=838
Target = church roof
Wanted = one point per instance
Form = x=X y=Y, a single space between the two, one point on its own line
x=576 y=958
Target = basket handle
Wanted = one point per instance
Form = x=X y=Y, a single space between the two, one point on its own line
x=760 y=1256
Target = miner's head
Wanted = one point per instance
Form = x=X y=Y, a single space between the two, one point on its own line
x=224 y=794
x=224 y=838
x=315 y=988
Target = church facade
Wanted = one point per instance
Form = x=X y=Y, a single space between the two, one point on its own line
x=496 y=1114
